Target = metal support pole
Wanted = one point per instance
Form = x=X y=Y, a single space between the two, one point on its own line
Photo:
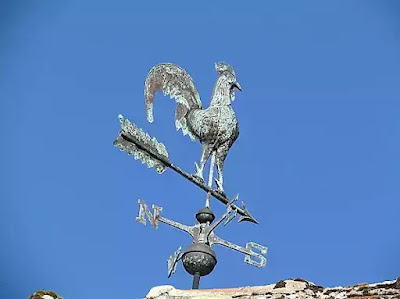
x=196 y=280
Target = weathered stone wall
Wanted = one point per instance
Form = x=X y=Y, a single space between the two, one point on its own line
x=43 y=294
x=291 y=289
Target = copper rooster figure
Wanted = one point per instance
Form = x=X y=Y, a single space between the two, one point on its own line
x=215 y=127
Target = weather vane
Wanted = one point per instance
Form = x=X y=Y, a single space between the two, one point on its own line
x=217 y=129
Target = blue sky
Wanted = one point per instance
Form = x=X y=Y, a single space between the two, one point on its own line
x=317 y=161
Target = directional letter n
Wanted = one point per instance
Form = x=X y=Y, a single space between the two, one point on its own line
x=144 y=211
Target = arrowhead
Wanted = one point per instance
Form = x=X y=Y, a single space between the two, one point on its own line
x=247 y=216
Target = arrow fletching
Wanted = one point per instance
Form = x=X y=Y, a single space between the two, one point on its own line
x=141 y=146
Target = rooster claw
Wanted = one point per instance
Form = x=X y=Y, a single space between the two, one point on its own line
x=219 y=189
x=199 y=179
x=219 y=185
x=221 y=192
x=198 y=176
x=198 y=170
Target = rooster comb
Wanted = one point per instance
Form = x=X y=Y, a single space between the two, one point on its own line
x=221 y=67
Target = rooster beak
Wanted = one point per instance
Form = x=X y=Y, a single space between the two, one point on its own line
x=237 y=85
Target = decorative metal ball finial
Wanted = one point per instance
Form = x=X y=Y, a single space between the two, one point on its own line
x=205 y=215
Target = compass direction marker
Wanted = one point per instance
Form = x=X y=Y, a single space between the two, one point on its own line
x=173 y=261
x=199 y=259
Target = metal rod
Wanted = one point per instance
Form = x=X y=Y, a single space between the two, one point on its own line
x=196 y=280
x=187 y=176
x=210 y=179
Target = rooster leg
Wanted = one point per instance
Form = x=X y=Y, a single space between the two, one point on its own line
x=222 y=152
x=206 y=151
x=220 y=181
x=210 y=179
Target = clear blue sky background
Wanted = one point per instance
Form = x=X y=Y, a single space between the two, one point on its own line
x=317 y=161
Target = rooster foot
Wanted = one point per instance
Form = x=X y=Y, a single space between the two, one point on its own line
x=221 y=192
x=199 y=179
x=198 y=176
x=219 y=189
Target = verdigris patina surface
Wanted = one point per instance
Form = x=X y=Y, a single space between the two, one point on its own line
x=216 y=127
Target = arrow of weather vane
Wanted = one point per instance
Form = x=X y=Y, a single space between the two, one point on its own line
x=217 y=129
x=154 y=154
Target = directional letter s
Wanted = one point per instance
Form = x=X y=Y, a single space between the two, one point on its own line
x=263 y=250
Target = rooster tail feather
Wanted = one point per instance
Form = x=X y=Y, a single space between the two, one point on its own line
x=175 y=82
x=149 y=108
